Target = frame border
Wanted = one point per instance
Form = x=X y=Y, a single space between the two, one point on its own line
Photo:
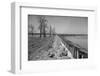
x=16 y=26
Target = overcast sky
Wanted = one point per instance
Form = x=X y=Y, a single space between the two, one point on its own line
x=63 y=25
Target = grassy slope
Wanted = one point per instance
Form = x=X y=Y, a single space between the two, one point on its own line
x=38 y=47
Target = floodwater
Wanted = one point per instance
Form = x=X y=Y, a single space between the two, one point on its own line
x=80 y=40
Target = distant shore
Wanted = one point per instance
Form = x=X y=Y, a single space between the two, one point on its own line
x=60 y=34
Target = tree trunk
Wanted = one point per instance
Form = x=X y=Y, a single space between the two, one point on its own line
x=40 y=32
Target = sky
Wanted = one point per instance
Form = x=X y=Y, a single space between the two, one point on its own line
x=62 y=24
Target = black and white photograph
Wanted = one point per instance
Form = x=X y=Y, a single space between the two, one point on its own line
x=57 y=37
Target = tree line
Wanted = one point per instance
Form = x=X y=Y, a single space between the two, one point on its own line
x=43 y=27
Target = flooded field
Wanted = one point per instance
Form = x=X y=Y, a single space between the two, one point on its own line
x=80 y=40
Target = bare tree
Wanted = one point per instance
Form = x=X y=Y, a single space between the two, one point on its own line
x=43 y=25
x=50 y=30
x=31 y=29
x=40 y=26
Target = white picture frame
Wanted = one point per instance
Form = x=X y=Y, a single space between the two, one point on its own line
x=19 y=63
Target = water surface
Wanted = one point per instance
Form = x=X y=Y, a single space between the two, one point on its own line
x=80 y=40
